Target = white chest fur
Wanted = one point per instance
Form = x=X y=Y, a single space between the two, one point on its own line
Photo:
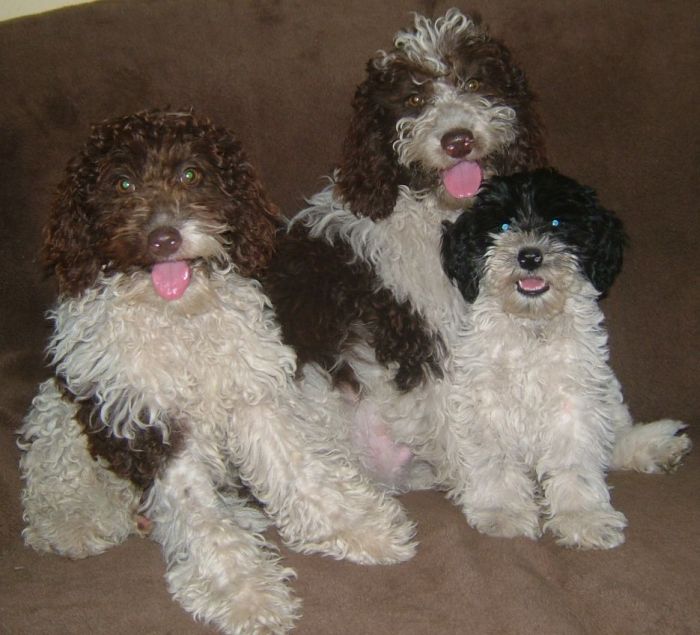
x=136 y=353
x=403 y=249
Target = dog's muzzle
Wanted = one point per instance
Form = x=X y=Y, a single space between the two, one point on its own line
x=530 y=259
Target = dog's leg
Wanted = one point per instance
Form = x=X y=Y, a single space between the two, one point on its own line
x=219 y=568
x=319 y=501
x=73 y=505
x=577 y=499
x=650 y=447
x=499 y=499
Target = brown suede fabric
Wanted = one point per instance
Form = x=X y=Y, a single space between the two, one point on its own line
x=618 y=91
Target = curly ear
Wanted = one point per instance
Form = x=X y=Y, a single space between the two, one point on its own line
x=369 y=174
x=253 y=219
x=458 y=259
x=596 y=232
x=68 y=244
x=528 y=151
x=604 y=252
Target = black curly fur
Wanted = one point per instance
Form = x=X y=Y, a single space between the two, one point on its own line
x=531 y=201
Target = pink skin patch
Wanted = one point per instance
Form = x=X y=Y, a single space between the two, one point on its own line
x=463 y=179
x=171 y=279
x=532 y=286
x=382 y=455
x=144 y=525
x=388 y=457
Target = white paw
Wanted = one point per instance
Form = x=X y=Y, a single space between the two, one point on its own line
x=588 y=529
x=241 y=596
x=366 y=543
x=506 y=523
x=652 y=447
x=262 y=611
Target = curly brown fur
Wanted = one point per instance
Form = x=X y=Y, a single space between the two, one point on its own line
x=370 y=175
x=138 y=459
x=177 y=387
x=440 y=78
x=326 y=302
x=97 y=226
x=94 y=227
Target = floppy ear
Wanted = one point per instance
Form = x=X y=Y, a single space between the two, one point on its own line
x=527 y=152
x=68 y=248
x=369 y=173
x=253 y=219
x=604 y=252
x=458 y=250
x=596 y=231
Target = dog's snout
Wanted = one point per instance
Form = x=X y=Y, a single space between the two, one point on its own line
x=530 y=258
x=164 y=241
x=457 y=143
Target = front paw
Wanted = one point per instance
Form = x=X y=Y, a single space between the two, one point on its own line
x=503 y=522
x=379 y=536
x=367 y=546
x=588 y=529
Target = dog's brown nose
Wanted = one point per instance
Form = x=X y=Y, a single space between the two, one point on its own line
x=164 y=241
x=457 y=143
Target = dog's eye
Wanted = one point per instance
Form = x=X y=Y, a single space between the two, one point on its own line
x=190 y=176
x=473 y=85
x=555 y=222
x=125 y=185
x=415 y=101
x=505 y=227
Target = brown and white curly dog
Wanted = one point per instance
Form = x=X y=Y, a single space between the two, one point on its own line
x=172 y=384
x=357 y=282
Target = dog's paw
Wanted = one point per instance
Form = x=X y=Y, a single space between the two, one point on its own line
x=651 y=447
x=269 y=610
x=384 y=546
x=588 y=529
x=506 y=523
x=369 y=543
x=241 y=592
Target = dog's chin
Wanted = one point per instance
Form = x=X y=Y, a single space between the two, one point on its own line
x=532 y=298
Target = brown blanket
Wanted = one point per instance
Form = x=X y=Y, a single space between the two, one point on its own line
x=618 y=89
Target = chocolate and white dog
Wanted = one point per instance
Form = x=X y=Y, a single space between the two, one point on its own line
x=358 y=278
x=173 y=387
x=536 y=414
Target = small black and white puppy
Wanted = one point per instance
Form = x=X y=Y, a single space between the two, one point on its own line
x=540 y=412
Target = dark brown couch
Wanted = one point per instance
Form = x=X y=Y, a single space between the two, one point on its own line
x=618 y=90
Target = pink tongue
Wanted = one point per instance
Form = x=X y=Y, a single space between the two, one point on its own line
x=171 y=279
x=531 y=284
x=463 y=179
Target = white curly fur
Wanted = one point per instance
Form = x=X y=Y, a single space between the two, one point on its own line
x=212 y=362
x=542 y=412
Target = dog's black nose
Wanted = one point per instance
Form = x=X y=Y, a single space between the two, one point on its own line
x=457 y=143
x=530 y=258
x=164 y=241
